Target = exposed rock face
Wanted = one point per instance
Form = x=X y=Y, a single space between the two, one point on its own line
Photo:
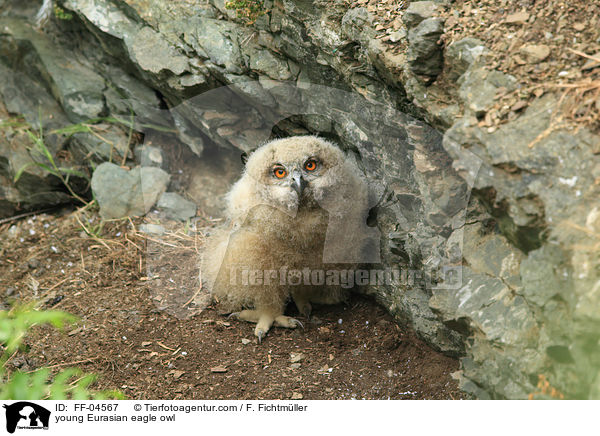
x=528 y=300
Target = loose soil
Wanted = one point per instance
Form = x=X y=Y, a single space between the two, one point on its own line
x=146 y=330
x=565 y=35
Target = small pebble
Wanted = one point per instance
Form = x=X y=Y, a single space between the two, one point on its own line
x=296 y=357
x=13 y=231
x=33 y=263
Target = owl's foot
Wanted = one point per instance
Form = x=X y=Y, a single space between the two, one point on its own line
x=264 y=321
x=245 y=315
x=287 y=322
x=263 y=326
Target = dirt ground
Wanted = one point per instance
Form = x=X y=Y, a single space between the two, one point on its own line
x=144 y=332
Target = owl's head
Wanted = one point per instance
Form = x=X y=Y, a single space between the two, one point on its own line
x=296 y=171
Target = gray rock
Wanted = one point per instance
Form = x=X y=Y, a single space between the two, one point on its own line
x=398 y=35
x=267 y=63
x=416 y=12
x=121 y=193
x=529 y=298
x=25 y=97
x=112 y=145
x=218 y=41
x=478 y=88
x=77 y=87
x=424 y=51
x=354 y=23
x=546 y=274
x=127 y=96
x=176 y=207
x=460 y=55
x=152 y=53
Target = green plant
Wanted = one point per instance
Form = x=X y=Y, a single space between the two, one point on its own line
x=92 y=230
x=61 y=14
x=50 y=165
x=247 y=10
x=69 y=383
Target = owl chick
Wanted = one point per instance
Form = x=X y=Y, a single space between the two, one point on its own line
x=298 y=212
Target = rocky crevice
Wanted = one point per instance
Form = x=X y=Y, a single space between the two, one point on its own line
x=528 y=300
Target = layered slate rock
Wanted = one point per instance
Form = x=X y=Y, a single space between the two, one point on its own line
x=527 y=302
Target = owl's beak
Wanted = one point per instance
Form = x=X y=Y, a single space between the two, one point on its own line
x=298 y=183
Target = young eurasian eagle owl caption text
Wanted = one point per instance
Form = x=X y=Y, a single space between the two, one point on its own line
x=298 y=212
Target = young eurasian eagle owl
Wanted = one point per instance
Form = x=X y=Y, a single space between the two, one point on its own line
x=298 y=212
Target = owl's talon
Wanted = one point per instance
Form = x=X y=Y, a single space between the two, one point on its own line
x=259 y=336
x=235 y=315
x=287 y=322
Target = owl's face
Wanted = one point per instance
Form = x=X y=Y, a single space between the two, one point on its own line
x=295 y=172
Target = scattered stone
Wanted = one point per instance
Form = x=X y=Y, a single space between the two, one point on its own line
x=177 y=374
x=297 y=357
x=518 y=106
x=517 y=18
x=398 y=35
x=416 y=12
x=295 y=365
x=33 y=263
x=424 y=52
x=155 y=229
x=176 y=207
x=245 y=341
x=460 y=55
x=535 y=53
x=13 y=231
x=9 y=291
x=297 y=396
x=478 y=88
x=150 y=156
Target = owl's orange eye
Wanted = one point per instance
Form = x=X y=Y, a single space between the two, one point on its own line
x=310 y=165
x=279 y=172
